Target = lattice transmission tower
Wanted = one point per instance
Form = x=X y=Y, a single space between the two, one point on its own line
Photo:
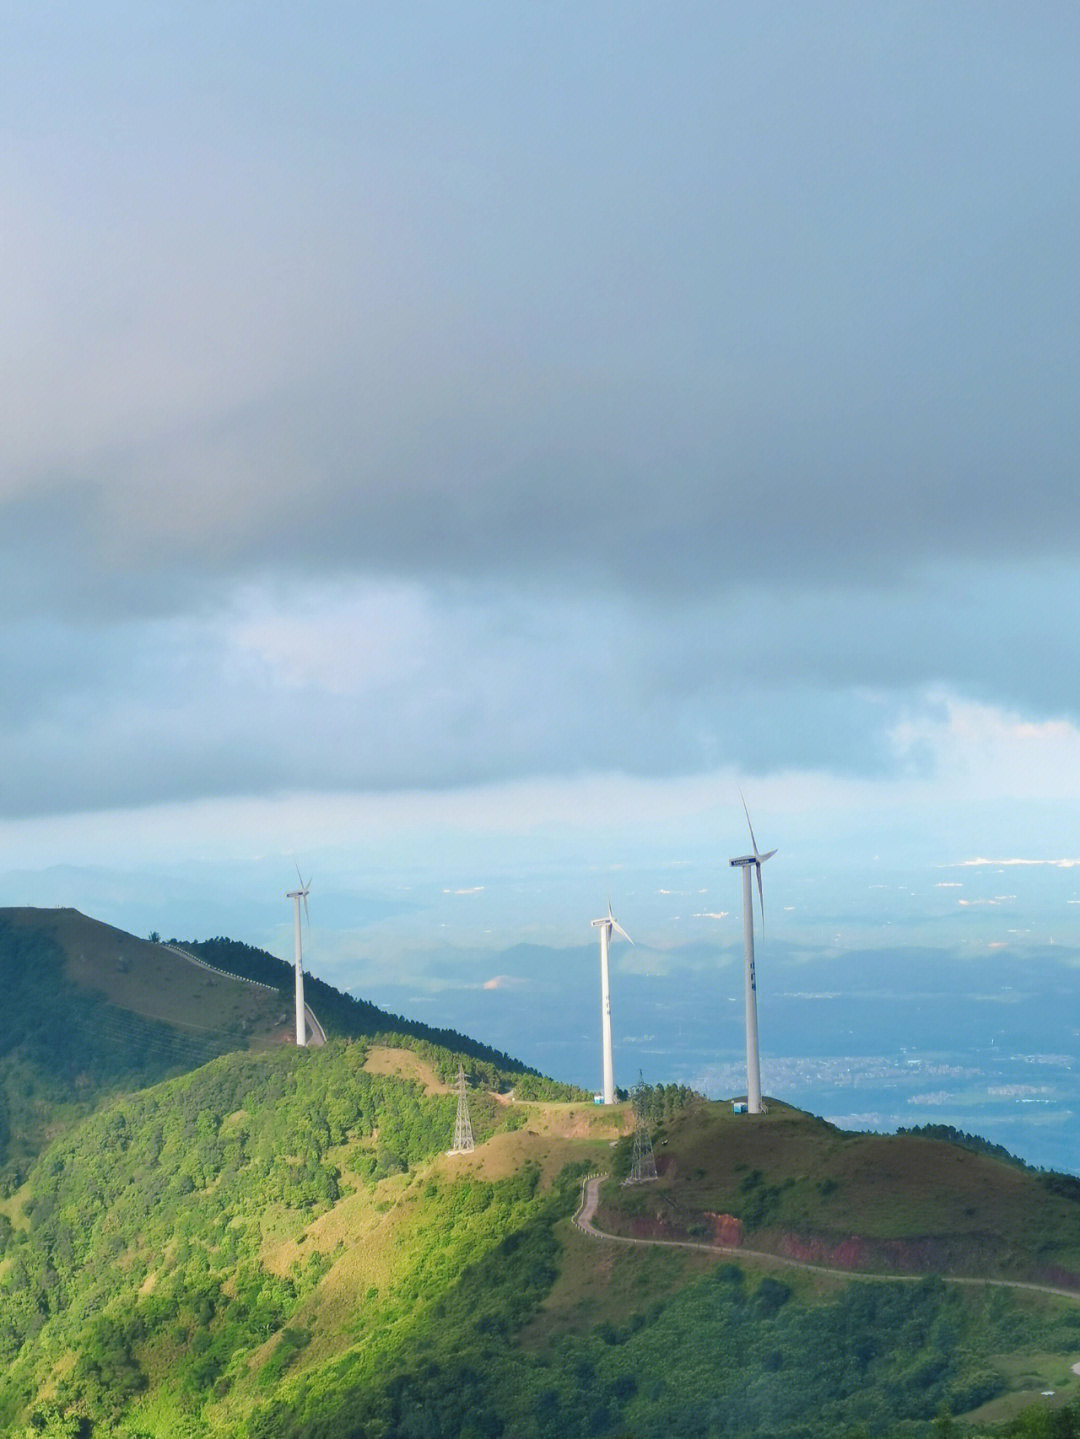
x=463 y=1135
x=643 y=1164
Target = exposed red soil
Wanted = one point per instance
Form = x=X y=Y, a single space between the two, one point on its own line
x=727 y=1230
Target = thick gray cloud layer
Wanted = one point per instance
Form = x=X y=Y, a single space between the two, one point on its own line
x=700 y=382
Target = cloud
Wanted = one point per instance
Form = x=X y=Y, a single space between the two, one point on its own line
x=1018 y=863
x=505 y=981
x=389 y=686
x=389 y=450
x=947 y=732
x=360 y=348
x=809 y=994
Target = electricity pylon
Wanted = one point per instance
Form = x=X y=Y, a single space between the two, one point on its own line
x=463 y=1136
x=643 y=1164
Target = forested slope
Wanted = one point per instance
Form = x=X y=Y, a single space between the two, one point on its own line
x=276 y=1245
x=91 y=1011
x=64 y=1044
x=169 y=1250
x=345 y=1016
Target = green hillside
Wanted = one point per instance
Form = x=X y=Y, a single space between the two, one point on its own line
x=344 y=1016
x=193 y=1249
x=207 y=1232
x=91 y=1012
x=804 y=1189
x=276 y=1244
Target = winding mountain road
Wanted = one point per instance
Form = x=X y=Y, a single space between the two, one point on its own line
x=590 y=1198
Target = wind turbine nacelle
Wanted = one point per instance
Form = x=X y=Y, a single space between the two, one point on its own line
x=747 y=859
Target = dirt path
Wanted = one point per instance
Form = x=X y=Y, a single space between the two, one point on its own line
x=590 y=1198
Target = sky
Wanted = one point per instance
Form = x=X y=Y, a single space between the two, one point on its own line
x=455 y=449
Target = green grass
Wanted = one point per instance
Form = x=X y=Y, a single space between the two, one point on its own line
x=869 y=1201
x=277 y=1245
x=92 y=1012
x=1030 y=1375
x=153 y=982
x=215 y=1257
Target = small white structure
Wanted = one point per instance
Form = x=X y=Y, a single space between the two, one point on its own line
x=605 y=926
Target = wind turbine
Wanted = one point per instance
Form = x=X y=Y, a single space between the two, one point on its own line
x=746 y=862
x=605 y=926
x=296 y=895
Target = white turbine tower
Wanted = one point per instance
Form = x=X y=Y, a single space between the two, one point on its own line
x=605 y=926
x=747 y=862
x=296 y=895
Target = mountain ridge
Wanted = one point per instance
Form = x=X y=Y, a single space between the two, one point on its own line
x=275 y=1243
x=92 y=1010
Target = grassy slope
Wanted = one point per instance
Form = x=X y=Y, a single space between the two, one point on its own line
x=92 y=1012
x=860 y=1201
x=149 y=980
x=277 y=1244
x=345 y=1016
x=278 y=1236
x=216 y=1219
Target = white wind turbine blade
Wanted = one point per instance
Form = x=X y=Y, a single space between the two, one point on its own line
x=303 y=890
x=759 y=858
x=615 y=923
x=750 y=827
x=760 y=891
